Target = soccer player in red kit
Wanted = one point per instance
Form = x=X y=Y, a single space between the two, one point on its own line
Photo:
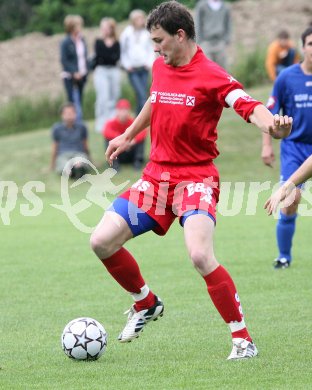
x=188 y=94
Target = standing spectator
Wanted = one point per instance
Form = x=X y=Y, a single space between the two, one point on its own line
x=107 y=73
x=281 y=53
x=213 y=26
x=116 y=127
x=291 y=95
x=70 y=140
x=74 y=61
x=137 y=55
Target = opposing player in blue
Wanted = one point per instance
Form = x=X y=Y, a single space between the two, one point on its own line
x=303 y=173
x=292 y=93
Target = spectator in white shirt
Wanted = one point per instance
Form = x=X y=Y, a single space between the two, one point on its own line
x=137 y=55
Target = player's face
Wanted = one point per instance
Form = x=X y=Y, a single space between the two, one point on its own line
x=166 y=45
x=307 y=49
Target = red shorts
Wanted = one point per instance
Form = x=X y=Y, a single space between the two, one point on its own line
x=165 y=192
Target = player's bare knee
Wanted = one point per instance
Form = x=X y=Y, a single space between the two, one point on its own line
x=200 y=259
x=95 y=242
x=102 y=246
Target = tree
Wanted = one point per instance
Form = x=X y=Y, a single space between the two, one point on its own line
x=14 y=17
x=20 y=16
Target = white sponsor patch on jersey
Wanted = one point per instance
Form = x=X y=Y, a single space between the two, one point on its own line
x=173 y=98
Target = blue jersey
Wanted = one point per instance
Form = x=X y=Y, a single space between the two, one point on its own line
x=292 y=94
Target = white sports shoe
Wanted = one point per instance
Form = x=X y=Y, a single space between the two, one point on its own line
x=242 y=349
x=138 y=319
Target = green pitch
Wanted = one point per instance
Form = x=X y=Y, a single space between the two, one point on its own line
x=49 y=276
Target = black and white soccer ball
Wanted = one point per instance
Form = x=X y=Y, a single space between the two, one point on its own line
x=84 y=339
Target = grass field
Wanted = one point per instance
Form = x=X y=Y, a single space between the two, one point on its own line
x=50 y=276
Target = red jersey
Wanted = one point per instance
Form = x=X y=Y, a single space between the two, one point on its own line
x=113 y=128
x=187 y=102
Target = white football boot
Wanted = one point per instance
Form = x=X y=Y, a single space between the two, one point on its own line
x=243 y=349
x=138 y=319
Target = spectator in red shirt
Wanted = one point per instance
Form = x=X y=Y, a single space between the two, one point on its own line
x=117 y=126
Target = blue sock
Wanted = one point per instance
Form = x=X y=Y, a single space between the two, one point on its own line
x=285 y=230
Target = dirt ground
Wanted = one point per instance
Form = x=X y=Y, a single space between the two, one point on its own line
x=29 y=65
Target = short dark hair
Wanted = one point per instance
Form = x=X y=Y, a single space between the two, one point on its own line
x=66 y=105
x=305 y=34
x=172 y=16
x=283 y=34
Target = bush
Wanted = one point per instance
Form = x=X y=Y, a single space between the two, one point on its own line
x=250 y=67
x=22 y=114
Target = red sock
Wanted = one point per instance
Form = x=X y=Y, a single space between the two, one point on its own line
x=223 y=294
x=125 y=270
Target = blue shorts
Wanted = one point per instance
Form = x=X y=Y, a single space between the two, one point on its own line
x=166 y=192
x=293 y=154
x=139 y=221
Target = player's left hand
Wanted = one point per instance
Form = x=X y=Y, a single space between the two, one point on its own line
x=282 y=125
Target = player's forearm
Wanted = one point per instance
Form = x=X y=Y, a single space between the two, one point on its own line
x=266 y=139
x=303 y=173
x=262 y=118
x=141 y=121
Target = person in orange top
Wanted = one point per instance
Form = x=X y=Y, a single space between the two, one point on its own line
x=116 y=126
x=280 y=54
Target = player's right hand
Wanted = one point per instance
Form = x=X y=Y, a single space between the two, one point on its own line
x=117 y=146
x=267 y=155
x=281 y=127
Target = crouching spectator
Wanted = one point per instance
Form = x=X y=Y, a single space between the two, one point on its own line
x=70 y=142
x=281 y=53
x=117 y=126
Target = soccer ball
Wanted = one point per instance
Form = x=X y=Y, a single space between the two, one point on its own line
x=84 y=339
